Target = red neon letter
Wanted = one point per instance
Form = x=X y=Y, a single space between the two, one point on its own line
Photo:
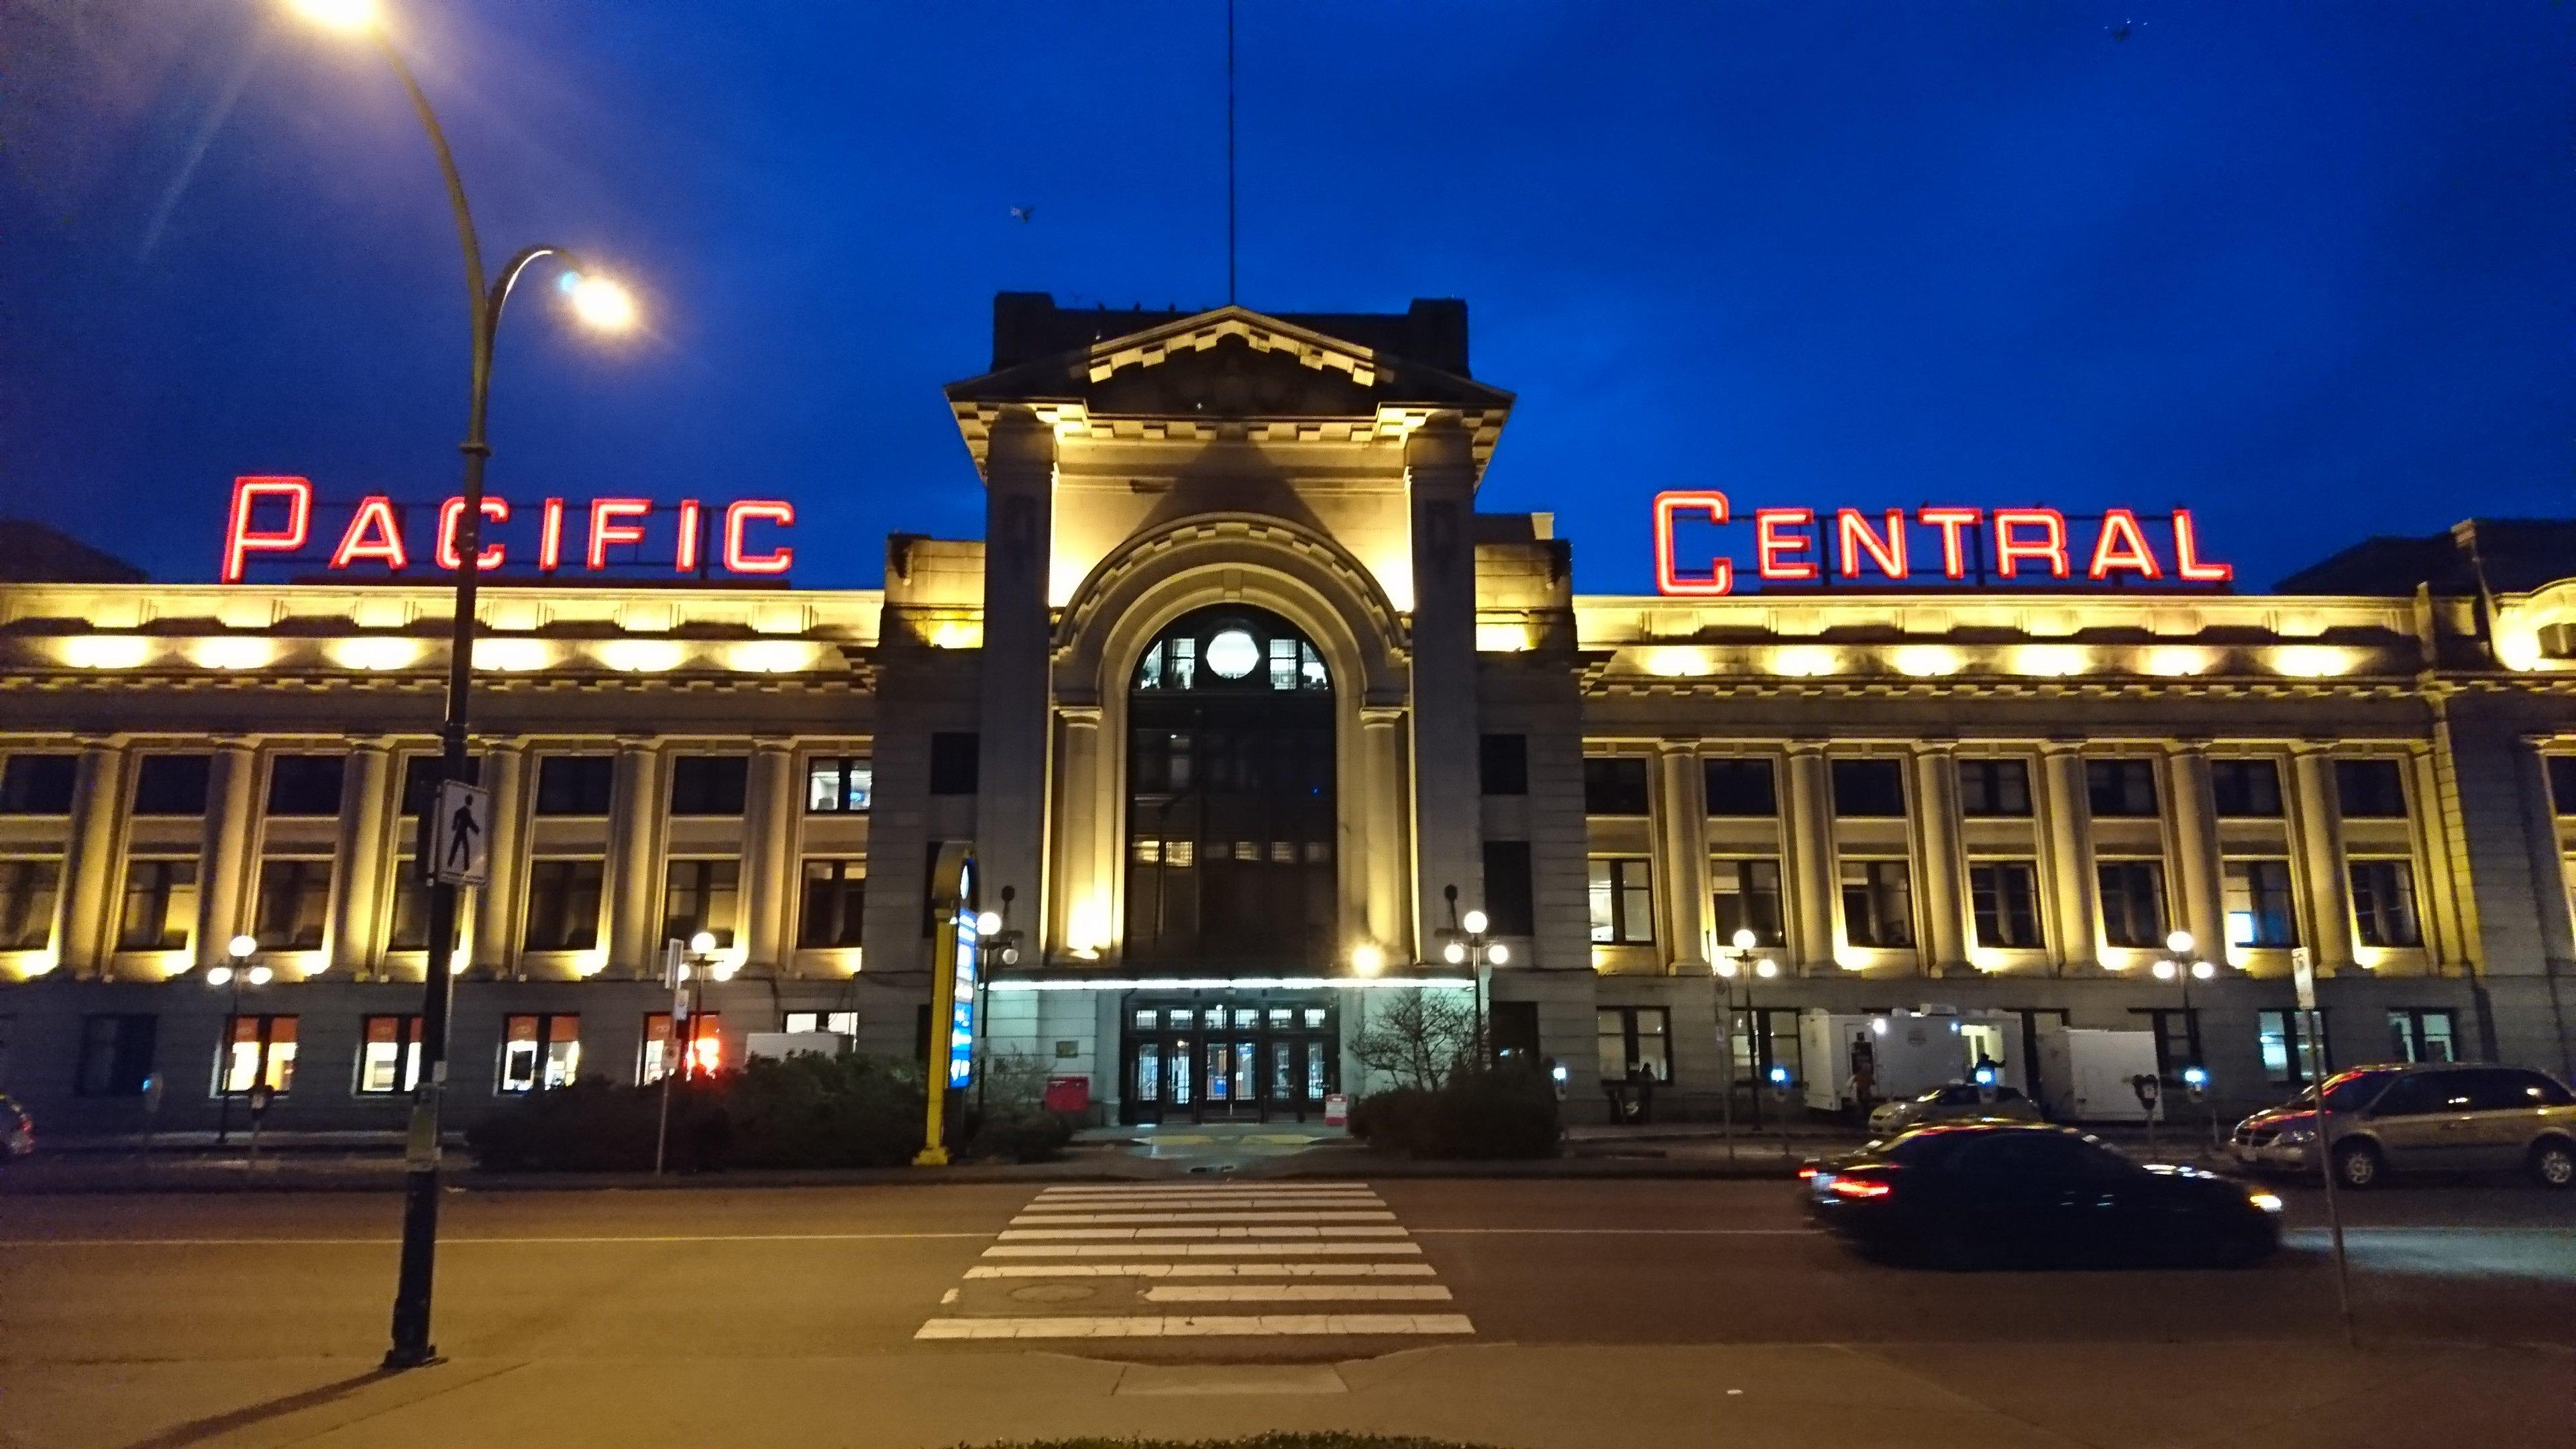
x=1772 y=539
x=2049 y=548
x=685 y=559
x=240 y=541
x=605 y=531
x=2120 y=526
x=550 y=535
x=450 y=514
x=1954 y=524
x=736 y=515
x=1856 y=537
x=2187 y=562
x=1720 y=578
x=374 y=533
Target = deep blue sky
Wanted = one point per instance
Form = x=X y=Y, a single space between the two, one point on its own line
x=2304 y=267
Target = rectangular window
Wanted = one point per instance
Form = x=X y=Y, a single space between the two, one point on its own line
x=1509 y=908
x=294 y=901
x=2562 y=783
x=709 y=785
x=2383 y=903
x=2005 y=896
x=27 y=892
x=1748 y=899
x=576 y=784
x=955 y=762
x=839 y=1023
x=1740 y=788
x=160 y=910
x=2177 y=1038
x=1614 y=785
x=834 y=905
x=2260 y=912
x=2370 y=789
x=1869 y=789
x=1623 y=902
x=1994 y=788
x=1635 y=1041
x=38 y=784
x=115 y=1054
x=258 y=1051
x=1502 y=764
x=421 y=779
x=171 y=784
x=839 y=784
x=706 y=1047
x=540 y=1052
x=2420 y=1034
x=563 y=905
x=2246 y=789
x=305 y=785
x=2121 y=788
x=1878 y=903
x=410 y=930
x=701 y=895
x=2133 y=902
x=2274 y=1033
x=388 y=1056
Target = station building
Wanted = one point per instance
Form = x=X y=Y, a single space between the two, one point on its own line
x=1247 y=706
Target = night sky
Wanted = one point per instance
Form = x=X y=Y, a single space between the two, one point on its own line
x=2306 y=268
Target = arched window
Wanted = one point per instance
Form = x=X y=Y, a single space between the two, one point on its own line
x=1233 y=650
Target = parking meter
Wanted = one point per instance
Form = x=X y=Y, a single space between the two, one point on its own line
x=2147 y=1088
x=259 y=1096
x=2196 y=1082
x=1779 y=1083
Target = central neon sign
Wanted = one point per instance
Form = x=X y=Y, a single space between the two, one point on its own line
x=274 y=515
x=1796 y=545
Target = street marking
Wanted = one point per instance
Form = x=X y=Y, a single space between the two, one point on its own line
x=1200 y=1270
x=1201 y=1250
x=1268 y=1325
x=1138 y=1194
x=1622 y=1232
x=447 y=1242
x=948 y=1297
x=1301 y=1293
x=1054 y=1220
x=1248 y=1235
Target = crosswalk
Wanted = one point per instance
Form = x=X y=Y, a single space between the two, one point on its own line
x=1200 y=1260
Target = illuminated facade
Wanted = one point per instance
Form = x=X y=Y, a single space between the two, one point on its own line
x=1237 y=687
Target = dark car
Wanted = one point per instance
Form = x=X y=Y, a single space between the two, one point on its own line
x=17 y=1132
x=1981 y=1194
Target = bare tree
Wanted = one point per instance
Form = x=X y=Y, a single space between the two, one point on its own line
x=1416 y=1038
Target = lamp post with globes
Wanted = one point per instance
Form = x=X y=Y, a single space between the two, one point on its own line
x=2183 y=968
x=1743 y=963
x=1465 y=944
x=602 y=304
x=236 y=972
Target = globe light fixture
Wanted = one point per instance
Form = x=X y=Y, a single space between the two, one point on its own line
x=2179 y=943
x=1367 y=959
x=2164 y=970
x=703 y=942
x=1766 y=968
x=1455 y=953
x=349 y=17
x=1744 y=939
x=1474 y=921
x=259 y=976
x=1498 y=954
x=219 y=976
x=2204 y=970
x=988 y=924
x=241 y=946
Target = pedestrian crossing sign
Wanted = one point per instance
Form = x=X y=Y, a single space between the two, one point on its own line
x=460 y=835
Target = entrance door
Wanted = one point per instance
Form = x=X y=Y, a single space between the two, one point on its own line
x=1221 y=1057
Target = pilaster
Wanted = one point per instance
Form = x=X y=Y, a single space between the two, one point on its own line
x=1812 y=862
x=769 y=832
x=357 y=922
x=1944 y=896
x=83 y=926
x=499 y=905
x=2319 y=817
x=224 y=862
x=2200 y=896
x=634 y=889
x=1011 y=779
x=1386 y=915
x=1078 y=900
x=1681 y=818
x=1440 y=477
x=2074 y=894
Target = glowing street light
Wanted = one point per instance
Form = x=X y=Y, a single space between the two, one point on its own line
x=601 y=303
x=349 y=17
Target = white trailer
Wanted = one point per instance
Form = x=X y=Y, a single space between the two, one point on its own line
x=1911 y=1051
x=794 y=1043
x=2087 y=1075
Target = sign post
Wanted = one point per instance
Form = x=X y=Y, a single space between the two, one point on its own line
x=955 y=969
x=2303 y=980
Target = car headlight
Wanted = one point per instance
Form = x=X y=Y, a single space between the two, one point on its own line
x=2296 y=1136
x=2268 y=1202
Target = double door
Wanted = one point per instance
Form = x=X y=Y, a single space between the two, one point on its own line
x=1229 y=1059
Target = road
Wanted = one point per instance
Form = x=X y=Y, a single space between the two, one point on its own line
x=209 y=1308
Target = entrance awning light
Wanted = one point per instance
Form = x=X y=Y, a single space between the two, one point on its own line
x=1238 y=983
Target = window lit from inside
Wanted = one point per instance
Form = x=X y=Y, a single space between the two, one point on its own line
x=258 y=1051
x=540 y=1052
x=1623 y=901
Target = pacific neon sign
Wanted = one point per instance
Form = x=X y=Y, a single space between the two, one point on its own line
x=1797 y=545
x=274 y=515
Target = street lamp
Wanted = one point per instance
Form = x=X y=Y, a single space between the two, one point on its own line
x=1464 y=943
x=236 y=972
x=1743 y=963
x=2183 y=968
x=599 y=303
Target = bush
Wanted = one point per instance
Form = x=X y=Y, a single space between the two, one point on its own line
x=1020 y=1137
x=805 y=1111
x=1507 y=1112
x=1385 y=1119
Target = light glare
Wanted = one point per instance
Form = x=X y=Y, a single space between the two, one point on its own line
x=349 y=17
x=603 y=304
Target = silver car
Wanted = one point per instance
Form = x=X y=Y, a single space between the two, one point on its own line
x=1953 y=1102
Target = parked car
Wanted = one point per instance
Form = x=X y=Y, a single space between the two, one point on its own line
x=2441 y=1118
x=1952 y=1102
x=1972 y=1195
x=17 y=1132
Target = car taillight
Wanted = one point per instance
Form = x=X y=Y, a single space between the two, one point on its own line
x=1860 y=1187
x=1806 y=1172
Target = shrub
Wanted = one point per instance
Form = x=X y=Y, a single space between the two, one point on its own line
x=804 y=1111
x=810 y=1110
x=1506 y=1112
x=1383 y=1119
x=1020 y=1137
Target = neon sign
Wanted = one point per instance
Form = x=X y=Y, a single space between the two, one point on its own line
x=274 y=515
x=1797 y=545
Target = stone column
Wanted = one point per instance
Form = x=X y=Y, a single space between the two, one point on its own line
x=1813 y=864
x=1388 y=865
x=85 y=923
x=357 y=921
x=1078 y=902
x=1681 y=818
x=2320 y=823
x=2199 y=893
x=1936 y=834
x=634 y=885
x=1446 y=815
x=2074 y=895
x=769 y=866
x=224 y=863
x=1011 y=780
x=497 y=906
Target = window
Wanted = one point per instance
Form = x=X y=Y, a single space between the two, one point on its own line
x=709 y=784
x=38 y=784
x=294 y=900
x=1869 y=789
x=2260 y=912
x=1994 y=787
x=171 y=784
x=2246 y=789
x=2562 y=782
x=1878 y=903
x=540 y=1052
x=2383 y=903
x=2177 y=1035
x=1232 y=650
x=2274 y=1033
x=2005 y=896
x=1743 y=788
x=1614 y=785
x=954 y=762
x=839 y=1023
x=410 y=929
x=160 y=910
x=2513 y=1089
x=2420 y=1034
x=706 y=1047
x=1635 y=1040
x=1623 y=902
x=27 y=890
x=1764 y=1037
x=115 y=1054
x=1509 y=908
x=307 y=785
x=1748 y=899
x=259 y=1051
x=575 y=784
x=834 y=906
x=839 y=784
x=2370 y=789
x=2425 y=1094
x=701 y=895
x=563 y=905
x=388 y=1056
x=2133 y=902
x=420 y=781
x=1502 y=764
x=2118 y=788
